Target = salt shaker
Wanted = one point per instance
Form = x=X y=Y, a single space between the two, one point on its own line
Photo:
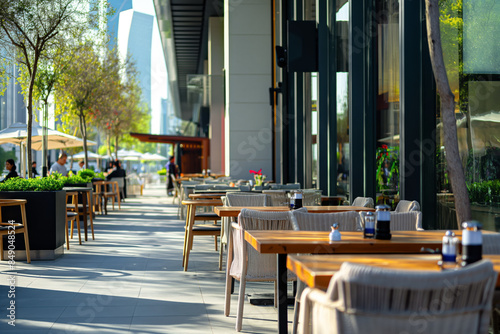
x=369 y=230
x=335 y=233
x=449 y=251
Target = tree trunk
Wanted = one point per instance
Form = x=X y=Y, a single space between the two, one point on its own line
x=30 y=114
x=116 y=147
x=108 y=141
x=455 y=169
x=83 y=130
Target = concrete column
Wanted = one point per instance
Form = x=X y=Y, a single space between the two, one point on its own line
x=215 y=70
x=247 y=61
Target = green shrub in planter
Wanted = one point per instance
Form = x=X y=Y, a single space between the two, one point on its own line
x=162 y=171
x=86 y=174
x=38 y=184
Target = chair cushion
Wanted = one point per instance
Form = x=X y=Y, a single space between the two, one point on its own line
x=206 y=227
x=207 y=215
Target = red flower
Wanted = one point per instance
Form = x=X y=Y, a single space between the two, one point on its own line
x=256 y=173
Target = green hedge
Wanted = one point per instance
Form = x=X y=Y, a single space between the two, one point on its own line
x=487 y=192
x=55 y=181
x=38 y=184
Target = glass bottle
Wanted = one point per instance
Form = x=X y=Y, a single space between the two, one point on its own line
x=449 y=251
x=472 y=242
x=369 y=230
x=383 y=222
x=298 y=199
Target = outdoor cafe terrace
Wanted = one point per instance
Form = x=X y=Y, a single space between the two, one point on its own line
x=151 y=269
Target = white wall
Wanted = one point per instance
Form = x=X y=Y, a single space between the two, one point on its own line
x=247 y=61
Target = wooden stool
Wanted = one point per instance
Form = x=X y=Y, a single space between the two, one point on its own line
x=14 y=228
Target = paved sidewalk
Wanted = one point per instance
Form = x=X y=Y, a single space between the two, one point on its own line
x=130 y=280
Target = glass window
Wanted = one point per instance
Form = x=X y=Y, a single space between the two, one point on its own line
x=481 y=41
x=387 y=42
x=342 y=25
x=473 y=68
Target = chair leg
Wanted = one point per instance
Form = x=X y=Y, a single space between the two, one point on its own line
x=27 y=246
x=241 y=303
x=72 y=226
x=67 y=236
x=185 y=237
x=78 y=227
x=296 y=309
x=92 y=225
x=215 y=237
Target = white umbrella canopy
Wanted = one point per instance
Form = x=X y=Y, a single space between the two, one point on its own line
x=90 y=155
x=129 y=155
x=17 y=133
x=153 y=157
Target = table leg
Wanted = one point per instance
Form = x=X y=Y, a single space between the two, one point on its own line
x=84 y=203
x=282 y=295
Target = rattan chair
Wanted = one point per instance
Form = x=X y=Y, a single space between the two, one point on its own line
x=369 y=299
x=491 y=245
x=244 y=263
x=305 y=221
x=366 y=202
x=406 y=221
x=407 y=206
x=277 y=197
x=237 y=199
x=311 y=197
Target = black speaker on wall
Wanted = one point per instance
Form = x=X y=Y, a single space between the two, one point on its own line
x=302 y=51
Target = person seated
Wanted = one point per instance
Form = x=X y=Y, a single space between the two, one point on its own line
x=117 y=171
x=81 y=164
x=59 y=165
x=10 y=165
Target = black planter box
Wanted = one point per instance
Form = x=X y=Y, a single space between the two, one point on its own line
x=46 y=215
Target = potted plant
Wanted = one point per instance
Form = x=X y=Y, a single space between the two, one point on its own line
x=45 y=214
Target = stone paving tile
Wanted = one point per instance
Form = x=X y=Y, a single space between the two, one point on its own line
x=130 y=280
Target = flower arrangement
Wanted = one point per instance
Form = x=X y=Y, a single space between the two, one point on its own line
x=258 y=177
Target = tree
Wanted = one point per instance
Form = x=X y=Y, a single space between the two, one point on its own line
x=33 y=27
x=455 y=169
x=80 y=88
x=121 y=110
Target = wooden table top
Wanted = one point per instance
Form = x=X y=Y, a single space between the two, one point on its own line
x=317 y=270
x=207 y=195
x=289 y=242
x=202 y=202
x=234 y=211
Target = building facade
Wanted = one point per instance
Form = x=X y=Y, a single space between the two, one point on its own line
x=340 y=95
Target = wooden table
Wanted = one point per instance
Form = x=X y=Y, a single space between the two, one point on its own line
x=317 y=270
x=291 y=242
x=83 y=191
x=234 y=211
x=214 y=195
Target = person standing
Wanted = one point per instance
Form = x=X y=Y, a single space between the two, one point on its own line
x=59 y=165
x=81 y=163
x=171 y=172
x=10 y=165
x=34 y=173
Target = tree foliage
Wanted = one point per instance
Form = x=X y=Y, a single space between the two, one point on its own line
x=32 y=28
x=80 y=89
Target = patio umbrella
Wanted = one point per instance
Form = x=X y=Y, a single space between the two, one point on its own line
x=17 y=133
x=90 y=155
x=153 y=157
x=129 y=155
